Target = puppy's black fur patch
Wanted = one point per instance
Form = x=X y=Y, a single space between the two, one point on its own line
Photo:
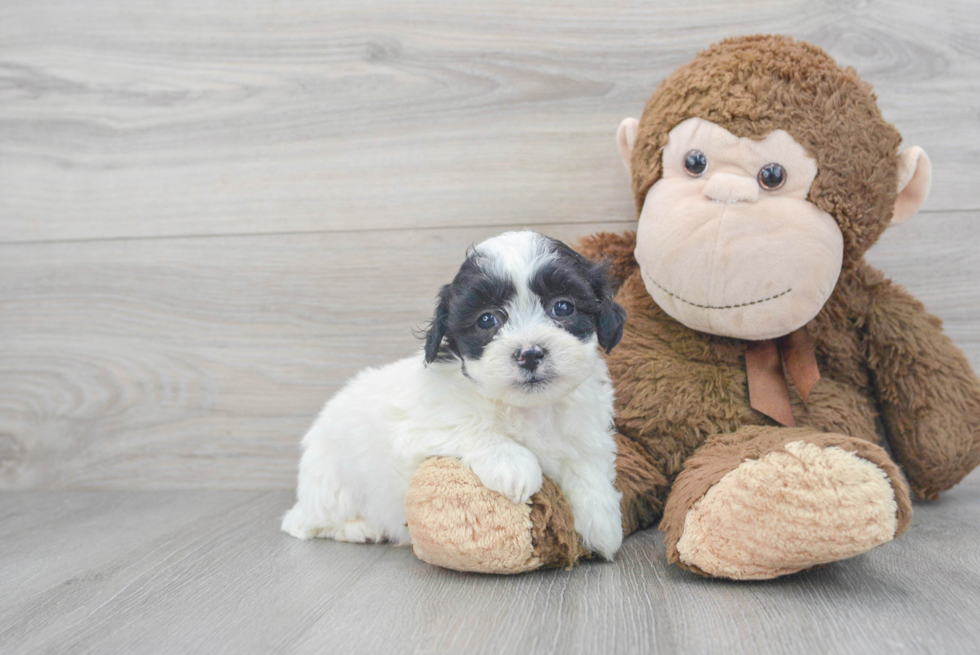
x=586 y=284
x=474 y=291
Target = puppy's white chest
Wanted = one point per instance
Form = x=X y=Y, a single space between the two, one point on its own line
x=541 y=430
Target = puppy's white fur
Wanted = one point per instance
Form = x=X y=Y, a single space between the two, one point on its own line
x=370 y=438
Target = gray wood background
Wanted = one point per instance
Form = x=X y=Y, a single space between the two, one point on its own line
x=213 y=212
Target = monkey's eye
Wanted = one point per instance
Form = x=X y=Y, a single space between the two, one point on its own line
x=487 y=322
x=563 y=308
x=695 y=162
x=772 y=176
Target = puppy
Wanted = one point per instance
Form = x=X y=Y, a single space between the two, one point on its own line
x=510 y=381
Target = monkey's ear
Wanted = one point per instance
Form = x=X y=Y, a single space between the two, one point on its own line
x=437 y=329
x=626 y=139
x=914 y=180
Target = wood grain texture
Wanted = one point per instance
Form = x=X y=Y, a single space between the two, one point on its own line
x=121 y=119
x=207 y=571
x=199 y=362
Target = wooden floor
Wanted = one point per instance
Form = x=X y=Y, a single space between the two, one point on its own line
x=208 y=572
x=212 y=212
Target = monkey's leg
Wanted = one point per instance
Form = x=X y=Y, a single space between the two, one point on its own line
x=764 y=501
x=457 y=523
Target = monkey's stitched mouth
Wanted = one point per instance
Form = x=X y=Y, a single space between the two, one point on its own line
x=743 y=304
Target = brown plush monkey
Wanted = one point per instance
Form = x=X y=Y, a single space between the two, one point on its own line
x=762 y=173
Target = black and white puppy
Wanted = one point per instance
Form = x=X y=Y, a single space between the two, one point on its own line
x=510 y=381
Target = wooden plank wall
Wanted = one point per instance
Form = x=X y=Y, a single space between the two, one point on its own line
x=213 y=212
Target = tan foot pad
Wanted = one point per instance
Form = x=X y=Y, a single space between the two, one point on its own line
x=457 y=523
x=789 y=511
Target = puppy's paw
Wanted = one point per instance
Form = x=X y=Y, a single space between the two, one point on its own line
x=294 y=523
x=514 y=473
x=600 y=524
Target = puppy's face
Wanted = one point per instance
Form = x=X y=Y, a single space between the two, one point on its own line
x=524 y=319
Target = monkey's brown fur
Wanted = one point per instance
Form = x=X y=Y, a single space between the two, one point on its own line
x=682 y=403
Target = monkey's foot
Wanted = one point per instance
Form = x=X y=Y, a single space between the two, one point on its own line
x=457 y=523
x=765 y=502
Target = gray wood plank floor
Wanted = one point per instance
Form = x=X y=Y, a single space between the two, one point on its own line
x=208 y=571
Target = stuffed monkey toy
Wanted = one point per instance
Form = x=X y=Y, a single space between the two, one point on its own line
x=761 y=349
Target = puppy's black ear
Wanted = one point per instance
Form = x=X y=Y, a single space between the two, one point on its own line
x=609 y=328
x=437 y=330
x=612 y=317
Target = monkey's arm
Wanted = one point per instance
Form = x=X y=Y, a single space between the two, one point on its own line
x=617 y=248
x=929 y=395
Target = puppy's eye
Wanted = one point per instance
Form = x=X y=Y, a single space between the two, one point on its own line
x=563 y=308
x=772 y=176
x=487 y=322
x=694 y=163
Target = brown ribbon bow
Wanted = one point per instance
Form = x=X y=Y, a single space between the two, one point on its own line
x=764 y=362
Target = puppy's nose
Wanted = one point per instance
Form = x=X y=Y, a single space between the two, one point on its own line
x=528 y=358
